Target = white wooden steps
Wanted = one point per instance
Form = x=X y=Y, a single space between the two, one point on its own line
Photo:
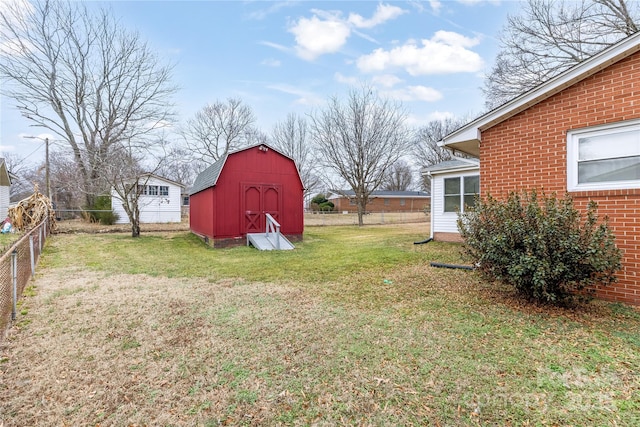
x=271 y=239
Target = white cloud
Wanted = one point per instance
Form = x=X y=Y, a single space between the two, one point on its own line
x=315 y=37
x=7 y=148
x=440 y=115
x=303 y=97
x=417 y=120
x=270 y=62
x=275 y=46
x=414 y=93
x=327 y=31
x=274 y=7
x=340 y=78
x=446 y=52
x=475 y=2
x=436 y=5
x=383 y=13
x=386 y=80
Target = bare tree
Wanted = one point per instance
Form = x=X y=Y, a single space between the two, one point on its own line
x=180 y=167
x=126 y=179
x=398 y=177
x=255 y=136
x=128 y=175
x=425 y=148
x=550 y=36
x=18 y=167
x=291 y=137
x=360 y=139
x=67 y=192
x=83 y=77
x=219 y=128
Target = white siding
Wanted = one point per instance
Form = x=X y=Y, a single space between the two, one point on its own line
x=4 y=201
x=441 y=221
x=153 y=208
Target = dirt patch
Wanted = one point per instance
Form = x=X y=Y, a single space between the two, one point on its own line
x=310 y=219
x=81 y=226
x=372 y=218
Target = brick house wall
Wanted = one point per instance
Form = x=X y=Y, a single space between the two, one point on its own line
x=529 y=150
x=382 y=204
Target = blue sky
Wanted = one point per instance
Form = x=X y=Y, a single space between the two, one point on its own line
x=290 y=56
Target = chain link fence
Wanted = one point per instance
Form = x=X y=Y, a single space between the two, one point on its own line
x=17 y=266
x=370 y=218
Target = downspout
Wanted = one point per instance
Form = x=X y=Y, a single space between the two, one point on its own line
x=431 y=215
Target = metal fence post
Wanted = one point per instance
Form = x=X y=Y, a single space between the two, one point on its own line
x=33 y=261
x=39 y=240
x=14 y=273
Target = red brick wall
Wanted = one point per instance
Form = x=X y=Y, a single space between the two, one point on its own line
x=377 y=205
x=530 y=151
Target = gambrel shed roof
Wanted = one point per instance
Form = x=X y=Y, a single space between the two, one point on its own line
x=209 y=177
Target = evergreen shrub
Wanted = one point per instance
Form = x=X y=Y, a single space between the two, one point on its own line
x=102 y=212
x=542 y=246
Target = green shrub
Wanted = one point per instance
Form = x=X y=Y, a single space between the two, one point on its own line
x=539 y=245
x=321 y=203
x=326 y=206
x=101 y=211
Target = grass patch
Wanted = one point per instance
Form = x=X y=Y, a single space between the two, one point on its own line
x=326 y=254
x=351 y=328
x=8 y=239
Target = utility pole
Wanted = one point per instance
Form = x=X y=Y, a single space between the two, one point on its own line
x=47 y=167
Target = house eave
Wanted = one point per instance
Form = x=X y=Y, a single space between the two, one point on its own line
x=458 y=169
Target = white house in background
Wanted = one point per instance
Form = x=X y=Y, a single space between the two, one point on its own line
x=454 y=185
x=160 y=201
x=5 y=189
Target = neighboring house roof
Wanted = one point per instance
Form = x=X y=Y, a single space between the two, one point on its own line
x=209 y=177
x=386 y=194
x=453 y=165
x=5 y=176
x=161 y=178
x=467 y=138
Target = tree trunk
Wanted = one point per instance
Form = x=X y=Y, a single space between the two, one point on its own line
x=135 y=229
x=360 y=213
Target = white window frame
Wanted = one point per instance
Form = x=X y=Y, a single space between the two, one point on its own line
x=573 y=137
x=461 y=194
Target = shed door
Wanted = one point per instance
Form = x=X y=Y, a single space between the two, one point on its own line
x=259 y=199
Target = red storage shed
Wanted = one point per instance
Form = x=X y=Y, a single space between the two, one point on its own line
x=231 y=197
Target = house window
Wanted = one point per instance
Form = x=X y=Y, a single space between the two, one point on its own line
x=163 y=190
x=185 y=200
x=152 y=190
x=352 y=202
x=387 y=202
x=460 y=192
x=402 y=202
x=604 y=157
x=142 y=190
x=471 y=186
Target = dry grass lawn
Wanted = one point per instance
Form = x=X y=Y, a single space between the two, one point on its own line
x=408 y=345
